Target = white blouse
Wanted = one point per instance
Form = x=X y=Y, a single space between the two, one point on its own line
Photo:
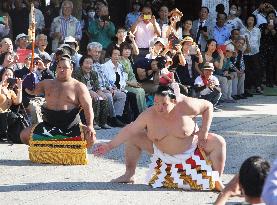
x=109 y=72
x=254 y=37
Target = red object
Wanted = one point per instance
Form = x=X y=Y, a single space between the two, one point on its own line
x=22 y=54
x=205 y=81
x=164 y=81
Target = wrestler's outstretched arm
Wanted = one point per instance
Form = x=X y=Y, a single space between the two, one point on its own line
x=126 y=133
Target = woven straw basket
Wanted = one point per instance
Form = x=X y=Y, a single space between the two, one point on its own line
x=58 y=152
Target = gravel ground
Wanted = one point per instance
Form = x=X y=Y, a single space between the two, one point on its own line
x=249 y=128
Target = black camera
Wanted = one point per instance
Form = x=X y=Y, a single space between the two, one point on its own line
x=161 y=62
x=105 y=18
x=204 y=28
x=12 y=82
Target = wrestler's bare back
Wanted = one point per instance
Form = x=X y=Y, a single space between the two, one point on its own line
x=61 y=95
x=173 y=134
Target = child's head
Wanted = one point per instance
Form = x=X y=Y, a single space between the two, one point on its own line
x=252 y=175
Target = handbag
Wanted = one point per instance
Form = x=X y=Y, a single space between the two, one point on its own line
x=16 y=121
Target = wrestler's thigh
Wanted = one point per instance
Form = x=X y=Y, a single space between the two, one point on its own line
x=25 y=135
x=214 y=141
x=142 y=141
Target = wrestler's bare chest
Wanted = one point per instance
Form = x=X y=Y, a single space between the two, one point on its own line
x=178 y=125
x=60 y=96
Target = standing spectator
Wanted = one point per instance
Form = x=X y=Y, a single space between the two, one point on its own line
x=208 y=85
x=65 y=25
x=40 y=23
x=102 y=30
x=20 y=17
x=269 y=194
x=187 y=28
x=131 y=82
x=220 y=31
x=90 y=78
x=163 y=14
x=115 y=99
x=174 y=26
x=268 y=48
x=261 y=13
x=252 y=59
x=123 y=36
x=233 y=22
x=239 y=75
x=200 y=28
x=4 y=26
x=133 y=16
x=145 y=29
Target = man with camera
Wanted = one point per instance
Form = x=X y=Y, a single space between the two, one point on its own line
x=147 y=72
x=200 y=28
x=145 y=29
x=102 y=30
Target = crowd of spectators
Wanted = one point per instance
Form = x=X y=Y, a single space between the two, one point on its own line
x=222 y=60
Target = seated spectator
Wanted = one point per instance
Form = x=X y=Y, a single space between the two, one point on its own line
x=115 y=99
x=102 y=30
x=65 y=25
x=184 y=61
x=9 y=125
x=269 y=194
x=147 y=74
x=90 y=78
x=71 y=41
x=187 y=28
x=21 y=41
x=174 y=26
x=235 y=35
x=163 y=17
x=225 y=75
x=220 y=32
x=207 y=85
x=123 y=36
x=157 y=48
x=6 y=60
x=167 y=77
x=249 y=182
x=132 y=16
x=211 y=55
x=233 y=22
x=41 y=45
x=4 y=27
x=132 y=84
x=6 y=45
x=145 y=29
x=113 y=71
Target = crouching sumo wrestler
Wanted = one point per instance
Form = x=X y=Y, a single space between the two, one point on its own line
x=183 y=155
x=64 y=98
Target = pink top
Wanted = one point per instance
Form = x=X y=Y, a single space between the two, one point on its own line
x=144 y=34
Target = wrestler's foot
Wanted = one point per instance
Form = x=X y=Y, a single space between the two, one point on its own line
x=219 y=186
x=125 y=178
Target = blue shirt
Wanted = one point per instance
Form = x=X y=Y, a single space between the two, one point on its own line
x=131 y=18
x=221 y=34
x=269 y=194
